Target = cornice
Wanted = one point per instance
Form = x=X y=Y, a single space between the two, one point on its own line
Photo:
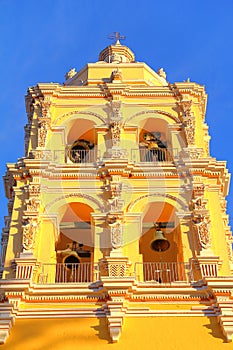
x=61 y=91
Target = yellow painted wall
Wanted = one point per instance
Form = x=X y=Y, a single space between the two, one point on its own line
x=160 y=333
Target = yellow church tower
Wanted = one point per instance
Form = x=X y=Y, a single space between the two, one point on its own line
x=117 y=229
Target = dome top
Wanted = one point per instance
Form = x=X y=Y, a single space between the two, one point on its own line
x=117 y=53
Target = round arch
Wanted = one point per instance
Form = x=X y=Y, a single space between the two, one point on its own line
x=92 y=116
x=54 y=205
x=170 y=118
x=142 y=201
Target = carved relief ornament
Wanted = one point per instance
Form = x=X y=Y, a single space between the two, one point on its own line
x=29 y=227
x=202 y=228
x=188 y=121
x=34 y=190
x=116 y=133
x=33 y=204
x=42 y=132
x=116 y=235
x=201 y=216
x=115 y=111
x=45 y=105
x=189 y=128
x=186 y=107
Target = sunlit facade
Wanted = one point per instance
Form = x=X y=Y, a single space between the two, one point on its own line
x=117 y=213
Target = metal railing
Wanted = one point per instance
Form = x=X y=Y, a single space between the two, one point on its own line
x=67 y=273
x=66 y=156
x=163 y=272
x=158 y=273
x=81 y=156
x=154 y=155
x=91 y=156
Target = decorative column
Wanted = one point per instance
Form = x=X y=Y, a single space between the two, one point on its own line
x=188 y=119
x=44 y=121
x=115 y=216
x=208 y=263
x=115 y=125
x=26 y=261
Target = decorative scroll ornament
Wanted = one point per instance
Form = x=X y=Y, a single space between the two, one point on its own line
x=29 y=232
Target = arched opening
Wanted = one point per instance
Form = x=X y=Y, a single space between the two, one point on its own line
x=81 y=141
x=154 y=141
x=160 y=223
x=75 y=245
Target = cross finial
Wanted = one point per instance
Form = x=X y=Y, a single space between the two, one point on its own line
x=117 y=37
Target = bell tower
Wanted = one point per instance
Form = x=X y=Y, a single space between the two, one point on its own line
x=117 y=211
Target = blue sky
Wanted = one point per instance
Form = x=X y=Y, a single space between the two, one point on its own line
x=40 y=41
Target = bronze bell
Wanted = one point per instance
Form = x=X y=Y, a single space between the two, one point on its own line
x=70 y=259
x=160 y=243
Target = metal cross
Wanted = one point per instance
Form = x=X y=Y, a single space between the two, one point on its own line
x=116 y=36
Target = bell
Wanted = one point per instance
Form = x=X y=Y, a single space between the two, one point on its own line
x=71 y=260
x=160 y=243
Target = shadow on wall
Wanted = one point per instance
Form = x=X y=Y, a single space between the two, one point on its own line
x=102 y=330
x=215 y=329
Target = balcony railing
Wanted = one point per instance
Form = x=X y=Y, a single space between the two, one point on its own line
x=154 y=155
x=91 y=156
x=163 y=272
x=66 y=156
x=153 y=272
x=156 y=272
x=67 y=273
